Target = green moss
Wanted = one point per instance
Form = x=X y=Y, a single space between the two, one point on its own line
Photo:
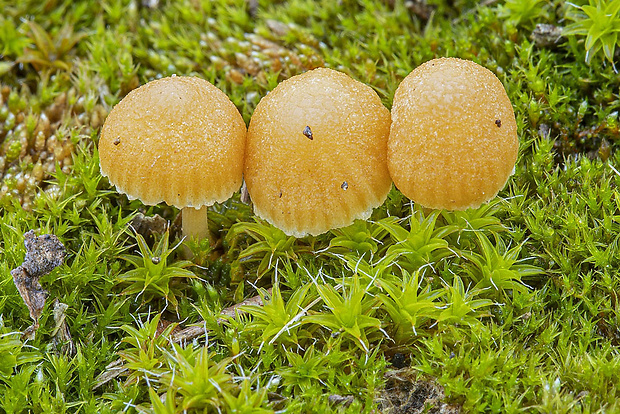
x=509 y=307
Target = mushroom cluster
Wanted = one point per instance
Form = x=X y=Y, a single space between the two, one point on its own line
x=321 y=149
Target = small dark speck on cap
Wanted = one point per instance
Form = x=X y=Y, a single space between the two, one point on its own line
x=344 y=185
x=117 y=141
x=280 y=194
x=308 y=132
x=498 y=122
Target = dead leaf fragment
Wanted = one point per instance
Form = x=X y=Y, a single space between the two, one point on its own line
x=232 y=311
x=43 y=254
x=547 y=36
x=149 y=227
x=31 y=291
x=112 y=370
x=61 y=332
x=253 y=8
x=245 y=194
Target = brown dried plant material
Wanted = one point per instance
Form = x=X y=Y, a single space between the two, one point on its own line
x=194 y=331
x=235 y=309
x=341 y=400
x=112 y=370
x=61 y=333
x=149 y=226
x=547 y=36
x=43 y=254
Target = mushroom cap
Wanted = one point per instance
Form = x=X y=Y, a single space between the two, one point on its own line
x=316 y=153
x=179 y=140
x=453 y=142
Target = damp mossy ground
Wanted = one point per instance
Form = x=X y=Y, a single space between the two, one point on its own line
x=511 y=307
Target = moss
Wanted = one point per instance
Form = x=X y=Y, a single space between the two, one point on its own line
x=509 y=307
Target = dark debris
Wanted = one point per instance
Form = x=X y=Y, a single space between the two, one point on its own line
x=405 y=394
x=31 y=291
x=400 y=360
x=420 y=8
x=43 y=254
x=148 y=227
x=308 y=132
x=547 y=35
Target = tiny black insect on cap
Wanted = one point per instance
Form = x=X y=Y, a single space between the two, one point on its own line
x=308 y=132
x=498 y=122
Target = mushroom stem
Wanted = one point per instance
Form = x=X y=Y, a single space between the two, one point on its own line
x=195 y=224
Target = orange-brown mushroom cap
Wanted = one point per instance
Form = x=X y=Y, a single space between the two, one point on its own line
x=453 y=142
x=179 y=140
x=316 y=153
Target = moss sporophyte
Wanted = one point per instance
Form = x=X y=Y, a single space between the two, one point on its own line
x=506 y=307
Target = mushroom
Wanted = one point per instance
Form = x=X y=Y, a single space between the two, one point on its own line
x=316 y=153
x=179 y=140
x=453 y=142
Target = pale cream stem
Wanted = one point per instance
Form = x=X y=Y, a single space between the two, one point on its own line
x=195 y=224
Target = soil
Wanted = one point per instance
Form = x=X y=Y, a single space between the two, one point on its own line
x=404 y=395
